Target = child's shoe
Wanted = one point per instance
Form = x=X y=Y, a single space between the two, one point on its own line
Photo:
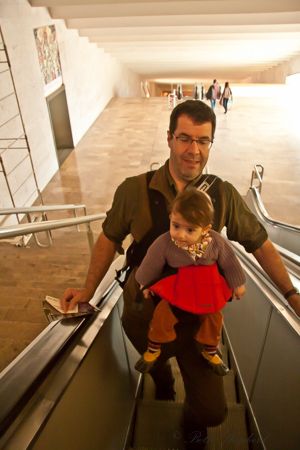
x=146 y=362
x=216 y=363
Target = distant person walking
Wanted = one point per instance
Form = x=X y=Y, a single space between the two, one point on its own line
x=213 y=93
x=227 y=94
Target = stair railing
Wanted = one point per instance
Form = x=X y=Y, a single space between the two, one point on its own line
x=257 y=174
x=48 y=225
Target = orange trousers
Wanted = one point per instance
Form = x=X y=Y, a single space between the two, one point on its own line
x=163 y=322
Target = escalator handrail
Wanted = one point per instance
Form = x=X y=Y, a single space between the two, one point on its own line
x=265 y=215
x=277 y=300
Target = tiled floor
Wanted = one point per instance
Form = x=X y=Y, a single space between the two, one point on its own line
x=125 y=140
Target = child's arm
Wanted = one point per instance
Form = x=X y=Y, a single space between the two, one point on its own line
x=238 y=292
x=228 y=262
x=153 y=263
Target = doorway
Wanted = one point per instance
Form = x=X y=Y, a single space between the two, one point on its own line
x=60 y=121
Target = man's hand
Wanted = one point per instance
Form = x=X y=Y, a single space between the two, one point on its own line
x=73 y=296
x=103 y=255
x=238 y=292
x=271 y=262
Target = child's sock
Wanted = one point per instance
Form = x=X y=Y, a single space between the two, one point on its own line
x=153 y=351
x=154 y=347
x=210 y=349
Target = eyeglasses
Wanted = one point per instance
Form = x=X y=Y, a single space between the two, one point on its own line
x=203 y=144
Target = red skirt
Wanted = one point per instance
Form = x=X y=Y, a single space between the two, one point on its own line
x=196 y=289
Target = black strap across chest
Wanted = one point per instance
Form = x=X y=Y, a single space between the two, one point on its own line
x=158 y=210
x=160 y=221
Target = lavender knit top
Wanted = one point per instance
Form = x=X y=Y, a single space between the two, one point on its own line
x=163 y=250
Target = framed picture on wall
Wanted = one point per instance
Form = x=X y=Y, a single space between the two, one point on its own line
x=48 y=54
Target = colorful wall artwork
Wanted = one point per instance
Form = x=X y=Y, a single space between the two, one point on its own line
x=48 y=54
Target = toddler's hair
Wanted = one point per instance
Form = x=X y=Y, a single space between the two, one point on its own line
x=195 y=207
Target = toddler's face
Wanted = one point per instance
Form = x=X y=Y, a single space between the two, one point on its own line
x=185 y=233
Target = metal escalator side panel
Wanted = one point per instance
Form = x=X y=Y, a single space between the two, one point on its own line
x=32 y=386
x=264 y=339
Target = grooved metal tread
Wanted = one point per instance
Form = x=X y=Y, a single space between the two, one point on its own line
x=158 y=427
x=158 y=423
x=229 y=383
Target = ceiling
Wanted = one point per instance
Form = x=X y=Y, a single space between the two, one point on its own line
x=184 y=41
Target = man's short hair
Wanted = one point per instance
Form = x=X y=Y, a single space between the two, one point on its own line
x=199 y=112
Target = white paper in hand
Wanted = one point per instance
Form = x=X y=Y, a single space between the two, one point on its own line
x=55 y=302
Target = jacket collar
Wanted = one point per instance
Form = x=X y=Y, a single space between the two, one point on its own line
x=163 y=182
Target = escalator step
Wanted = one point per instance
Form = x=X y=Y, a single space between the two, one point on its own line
x=178 y=384
x=229 y=387
x=224 y=353
x=148 y=392
x=158 y=427
x=231 y=434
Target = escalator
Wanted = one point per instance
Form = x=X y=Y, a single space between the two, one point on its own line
x=283 y=234
x=76 y=387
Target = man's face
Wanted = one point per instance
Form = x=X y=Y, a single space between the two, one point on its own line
x=188 y=161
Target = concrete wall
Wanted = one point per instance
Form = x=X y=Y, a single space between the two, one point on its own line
x=276 y=74
x=91 y=79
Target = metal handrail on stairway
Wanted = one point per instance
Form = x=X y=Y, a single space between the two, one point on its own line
x=257 y=174
x=266 y=216
x=47 y=225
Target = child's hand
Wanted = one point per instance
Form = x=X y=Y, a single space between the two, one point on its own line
x=238 y=292
x=147 y=293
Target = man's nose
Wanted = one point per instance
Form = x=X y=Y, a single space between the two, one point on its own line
x=193 y=148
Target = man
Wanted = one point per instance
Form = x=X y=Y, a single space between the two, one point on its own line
x=140 y=208
x=213 y=93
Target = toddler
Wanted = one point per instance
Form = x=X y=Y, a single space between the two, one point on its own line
x=197 y=253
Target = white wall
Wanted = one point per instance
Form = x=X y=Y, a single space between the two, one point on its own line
x=277 y=74
x=91 y=79
x=262 y=90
